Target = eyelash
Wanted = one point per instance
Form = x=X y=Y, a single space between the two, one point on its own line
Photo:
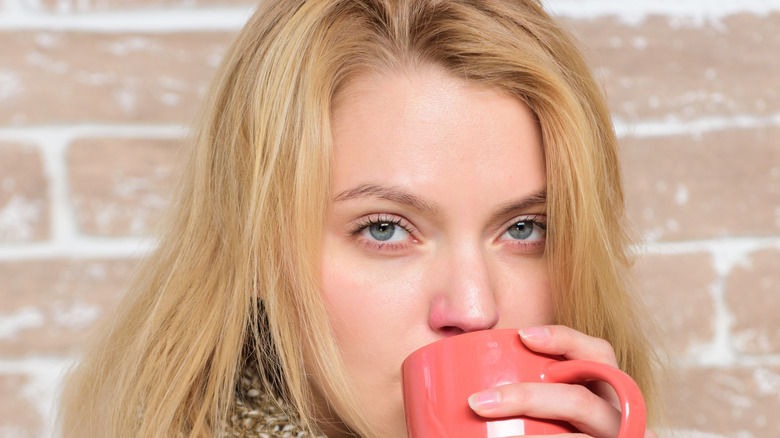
x=537 y=219
x=366 y=221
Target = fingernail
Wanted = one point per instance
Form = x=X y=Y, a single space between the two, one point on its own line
x=485 y=400
x=535 y=333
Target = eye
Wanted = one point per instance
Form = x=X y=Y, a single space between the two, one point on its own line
x=526 y=229
x=385 y=232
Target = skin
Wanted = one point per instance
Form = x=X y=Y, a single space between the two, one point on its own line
x=430 y=177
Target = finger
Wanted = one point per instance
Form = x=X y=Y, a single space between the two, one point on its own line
x=574 y=404
x=565 y=341
x=605 y=391
x=560 y=435
x=572 y=344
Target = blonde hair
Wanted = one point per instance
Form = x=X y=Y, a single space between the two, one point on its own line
x=234 y=278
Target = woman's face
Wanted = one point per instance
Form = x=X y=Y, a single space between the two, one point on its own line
x=435 y=225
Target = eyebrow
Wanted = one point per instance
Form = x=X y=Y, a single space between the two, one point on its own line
x=535 y=199
x=394 y=194
x=401 y=196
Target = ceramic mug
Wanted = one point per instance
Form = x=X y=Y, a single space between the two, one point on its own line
x=439 y=378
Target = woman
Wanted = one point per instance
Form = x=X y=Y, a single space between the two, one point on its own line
x=370 y=176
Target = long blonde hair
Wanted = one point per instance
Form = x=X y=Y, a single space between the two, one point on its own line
x=234 y=278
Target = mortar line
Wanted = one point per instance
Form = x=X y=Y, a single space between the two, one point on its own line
x=81 y=248
x=727 y=247
x=68 y=133
x=34 y=365
x=19 y=16
x=62 y=221
x=720 y=351
x=649 y=128
x=740 y=361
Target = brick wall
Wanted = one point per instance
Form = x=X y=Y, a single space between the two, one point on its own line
x=95 y=96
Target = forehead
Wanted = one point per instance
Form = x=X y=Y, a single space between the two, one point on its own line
x=429 y=131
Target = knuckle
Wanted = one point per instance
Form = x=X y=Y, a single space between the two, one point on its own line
x=516 y=394
x=558 y=328
x=582 y=398
x=604 y=349
x=584 y=405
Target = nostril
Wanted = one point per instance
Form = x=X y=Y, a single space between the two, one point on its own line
x=448 y=331
x=462 y=310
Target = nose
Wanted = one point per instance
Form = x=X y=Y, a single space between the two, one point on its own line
x=464 y=299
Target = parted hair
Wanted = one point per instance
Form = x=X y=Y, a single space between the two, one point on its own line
x=233 y=278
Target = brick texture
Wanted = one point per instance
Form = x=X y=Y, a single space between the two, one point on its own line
x=676 y=289
x=724 y=183
x=753 y=295
x=668 y=69
x=67 y=77
x=19 y=417
x=120 y=186
x=732 y=402
x=24 y=210
x=46 y=308
x=706 y=200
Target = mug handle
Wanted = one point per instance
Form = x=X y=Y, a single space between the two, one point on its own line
x=633 y=413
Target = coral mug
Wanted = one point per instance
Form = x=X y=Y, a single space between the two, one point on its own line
x=439 y=378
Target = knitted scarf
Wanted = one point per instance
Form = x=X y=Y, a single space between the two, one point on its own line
x=257 y=415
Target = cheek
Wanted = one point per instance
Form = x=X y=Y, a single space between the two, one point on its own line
x=527 y=297
x=372 y=314
x=366 y=298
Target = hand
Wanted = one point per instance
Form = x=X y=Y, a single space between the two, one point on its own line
x=592 y=409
